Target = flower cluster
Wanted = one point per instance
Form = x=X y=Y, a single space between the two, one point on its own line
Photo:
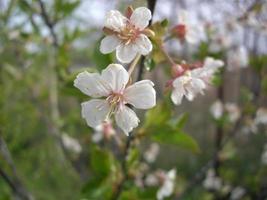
x=190 y=82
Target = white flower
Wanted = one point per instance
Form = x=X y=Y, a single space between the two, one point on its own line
x=194 y=81
x=128 y=36
x=216 y=109
x=220 y=40
x=167 y=187
x=237 y=193
x=151 y=154
x=212 y=182
x=233 y=111
x=112 y=84
x=237 y=58
x=104 y=130
x=71 y=143
x=186 y=31
x=261 y=116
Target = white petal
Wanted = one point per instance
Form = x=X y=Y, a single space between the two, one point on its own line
x=198 y=85
x=182 y=17
x=91 y=84
x=143 y=44
x=115 y=20
x=141 y=94
x=116 y=77
x=109 y=44
x=126 y=119
x=212 y=63
x=140 y=17
x=126 y=53
x=95 y=112
x=177 y=95
x=192 y=35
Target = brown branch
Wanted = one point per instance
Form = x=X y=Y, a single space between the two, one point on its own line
x=18 y=189
x=49 y=23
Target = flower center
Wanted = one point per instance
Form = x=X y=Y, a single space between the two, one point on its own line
x=129 y=34
x=115 y=99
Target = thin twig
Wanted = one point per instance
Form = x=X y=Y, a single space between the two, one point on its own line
x=14 y=183
x=48 y=23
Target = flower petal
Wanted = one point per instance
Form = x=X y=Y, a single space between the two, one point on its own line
x=141 y=94
x=95 y=112
x=144 y=46
x=115 y=20
x=212 y=63
x=109 y=44
x=116 y=77
x=126 y=119
x=177 y=95
x=140 y=17
x=91 y=84
x=126 y=53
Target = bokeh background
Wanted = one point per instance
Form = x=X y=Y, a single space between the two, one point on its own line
x=48 y=152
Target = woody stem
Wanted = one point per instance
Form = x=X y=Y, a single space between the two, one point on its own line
x=133 y=64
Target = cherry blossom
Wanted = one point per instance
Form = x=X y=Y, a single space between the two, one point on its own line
x=237 y=58
x=186 y=31
x=216 y=109
x=112 y=84
x=194 y=81
x=151 y=154
x=71 y=143
x=167 y=187
x=212 y=182
x=127 y=35
x=103 y=131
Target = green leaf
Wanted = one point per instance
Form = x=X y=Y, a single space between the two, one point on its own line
x=101 y=60
x=160 y=114
x=182 y=120
x=169 y=135
x=100 y=162
x=149 y=64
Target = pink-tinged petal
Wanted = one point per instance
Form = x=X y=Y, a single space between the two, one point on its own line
x=115 y=20
x=143 y=44
x=95 y=112
x=126 y=53
x=109 y=44
x=141 y=94
x=140 y=17
x=116 y=77
x=91 y=84
x=126 y=119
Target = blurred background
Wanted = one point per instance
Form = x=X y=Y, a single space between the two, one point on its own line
x=218 y=146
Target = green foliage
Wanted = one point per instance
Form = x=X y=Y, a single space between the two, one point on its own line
x=160 y=128
x=101 y=60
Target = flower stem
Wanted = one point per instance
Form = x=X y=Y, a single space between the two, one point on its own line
x=167 y=56
x=133 y=64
